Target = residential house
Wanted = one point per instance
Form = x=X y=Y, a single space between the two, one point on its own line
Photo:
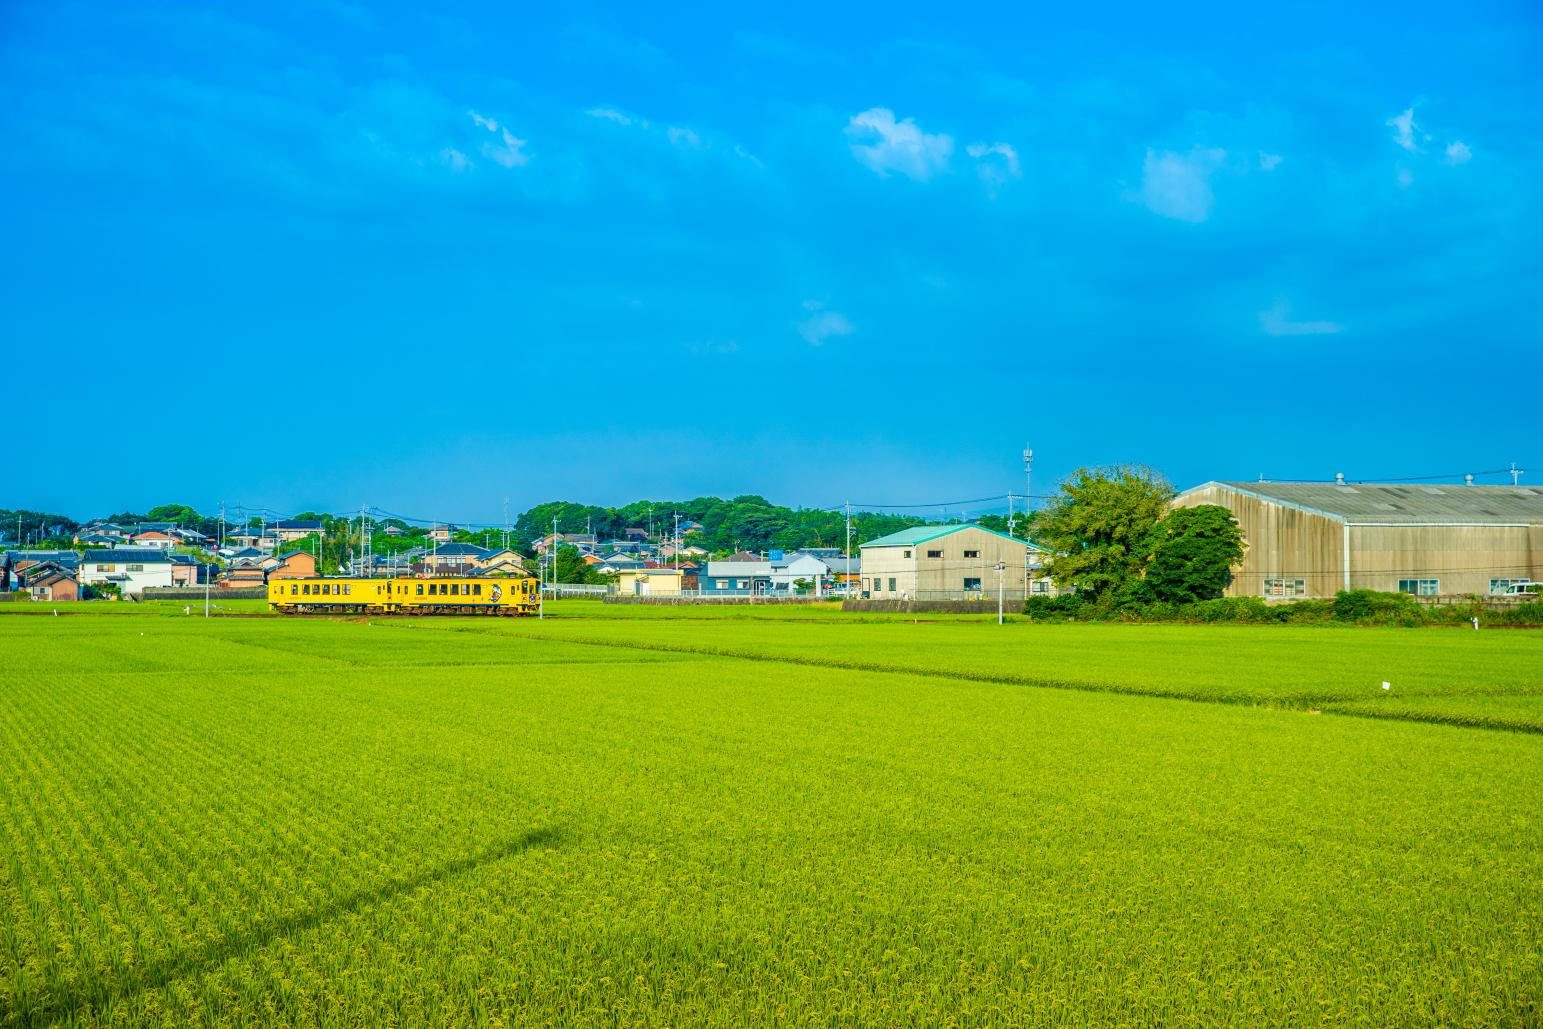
x=948 y=562
x=131 y=569
x=157 y=538
x=243 y=573
x=650 y=582
x=442 y=533
x=1427 y=539
x=290 y=530
x=498 y=556
x=264 y=540
x=620 y=563
x=454 y=559
x=394 y=530
x=14 y=563
x=584 y=541
x=294 y=564
x=741 y=574
x=187 y=570
x=48 y=581
x=788 y=570
x=97 y=539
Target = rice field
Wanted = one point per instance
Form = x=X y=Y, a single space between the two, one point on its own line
x=753 y=819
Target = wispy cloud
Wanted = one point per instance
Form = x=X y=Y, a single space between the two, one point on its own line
x=454 y=159
x=1269 y=161
x=822 y=324
x=885 y=145
x=683 y=138
x=1458 y=152
x=611 y=114
x=1178 y=186
x=996 y=163
x=506 y=148
x=1277 y=321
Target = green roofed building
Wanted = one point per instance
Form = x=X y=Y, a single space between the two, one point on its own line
x=951 y=562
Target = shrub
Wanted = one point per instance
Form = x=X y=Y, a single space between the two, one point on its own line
x=1067 y=605
x=1369 y=607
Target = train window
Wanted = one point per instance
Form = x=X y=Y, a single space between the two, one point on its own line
x=294 y=590
x=455 y=589
x=306 y=589
x=477 y=588
x=420 y=589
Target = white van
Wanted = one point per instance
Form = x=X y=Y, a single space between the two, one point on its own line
x=1524 y=589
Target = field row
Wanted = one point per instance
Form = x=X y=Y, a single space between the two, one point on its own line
x=740 y=842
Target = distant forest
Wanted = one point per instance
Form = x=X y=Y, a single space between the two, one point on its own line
x=744 y=523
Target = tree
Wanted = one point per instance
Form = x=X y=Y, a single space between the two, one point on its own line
x=571 y=567
x=1194 y=553
x=1100 y=527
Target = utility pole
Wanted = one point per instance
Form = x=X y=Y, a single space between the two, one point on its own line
x=847 y=588
x=506 y=523
x=1001 y=568
x=1028 y=509
x=1516 y=474
x=222 y=525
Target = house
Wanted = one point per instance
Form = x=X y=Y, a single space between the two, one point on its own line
x=739 y=575
x=264 y=540
x=503 y=568
x=394 y=530
x=792 y=568
x=650 y=582
x=291 y=530
x=948 y=562
x=499 y=556
x=243 y=573
x=636 y=535
x=1315 y=539
x=844 y=570
x=584 y=541
x=131 y=569
x=619 y=563
x=187 y=570
x=442 y=533
x=97 y=539
x=157 y=538
x=294 y=564
x=48 y=581
x=454 y=559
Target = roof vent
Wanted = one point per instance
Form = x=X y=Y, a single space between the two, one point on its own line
x=1339 y=478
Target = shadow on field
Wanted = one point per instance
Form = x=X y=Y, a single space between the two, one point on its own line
x=125 y=983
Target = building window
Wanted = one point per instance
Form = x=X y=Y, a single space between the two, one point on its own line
x=907 y=555
x=1497 y=587
x=934 y=553
x=972 y=584
x=133 y=568
x=1420 y=587
x=1285 y=587
x=972 y=553
x=892 y=585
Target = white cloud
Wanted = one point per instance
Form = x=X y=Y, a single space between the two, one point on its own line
x=886 y=145
x=454 y=159
x=1277 y=322
x=996 y=163
x=1179 y=185
x=507 y=150
x=1268 y=161
x=684 y=138
x=1458 y=152
x=1404 y=128
x=822 y=324
x=610 y=114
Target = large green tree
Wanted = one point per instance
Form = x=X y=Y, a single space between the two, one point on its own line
x=571 y=567
x=1193 y=554
x=1100 y=526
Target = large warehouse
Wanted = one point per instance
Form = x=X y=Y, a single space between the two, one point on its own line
x=1314 y=539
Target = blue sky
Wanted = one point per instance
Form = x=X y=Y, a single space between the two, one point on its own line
x=427 y=257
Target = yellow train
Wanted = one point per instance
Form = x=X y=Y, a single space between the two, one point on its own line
x=494 y=595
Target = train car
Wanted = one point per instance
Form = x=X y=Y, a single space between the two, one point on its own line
x=458 y=595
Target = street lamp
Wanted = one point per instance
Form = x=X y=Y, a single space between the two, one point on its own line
x=1000 y=567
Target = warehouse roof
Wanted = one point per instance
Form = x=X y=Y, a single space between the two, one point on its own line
x=1395 y=504
x=928 y=533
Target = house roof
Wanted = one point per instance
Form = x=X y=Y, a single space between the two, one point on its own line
x=1393 y=504
x=304 y=525
x=183 y=559
x=461 y=550
x=293 y=553
x=717 y=569
x=67 y=558
x=927 y=533
x=132 y=555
